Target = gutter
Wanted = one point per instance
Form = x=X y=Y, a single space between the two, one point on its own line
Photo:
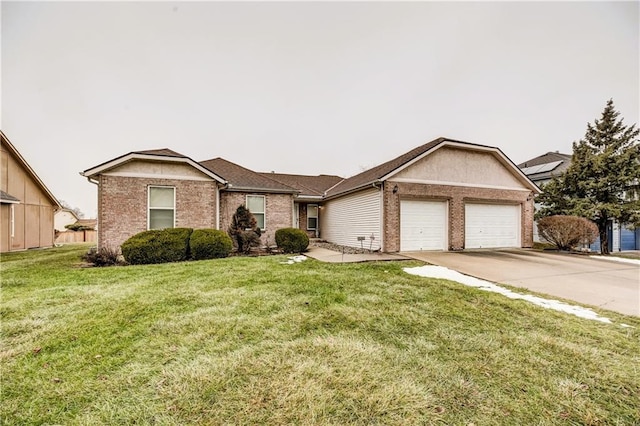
x=375 y=184
x=232 y=188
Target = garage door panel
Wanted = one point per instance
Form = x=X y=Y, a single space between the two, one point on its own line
x=492 y=225
x=423 y=225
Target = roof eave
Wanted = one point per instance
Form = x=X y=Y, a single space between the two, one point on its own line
x=101 y=168
x=467 y=145
x=232 y=188
x=374 y=184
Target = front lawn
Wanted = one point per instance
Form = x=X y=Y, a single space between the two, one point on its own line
x=258 y=341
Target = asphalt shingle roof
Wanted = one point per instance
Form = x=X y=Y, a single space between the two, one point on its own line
x=376 y=173
x=239 y=177
x=307 y=185
x=166 y=152
x=547 y=158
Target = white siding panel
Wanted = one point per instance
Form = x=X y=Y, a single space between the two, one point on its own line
x=345 y=219
x=492 y=225
x=423 y=225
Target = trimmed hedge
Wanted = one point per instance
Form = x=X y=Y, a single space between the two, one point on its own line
x=210 y=244
x=157 y=246
x=292 y=240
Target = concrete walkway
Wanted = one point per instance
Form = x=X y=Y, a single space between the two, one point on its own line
x=326 y=255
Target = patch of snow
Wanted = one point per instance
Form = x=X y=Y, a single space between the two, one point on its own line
x=294 y=259
x=430 y=271
x=618 y=259
x=626 y=326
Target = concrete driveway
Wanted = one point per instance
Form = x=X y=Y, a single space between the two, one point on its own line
x=602 y=283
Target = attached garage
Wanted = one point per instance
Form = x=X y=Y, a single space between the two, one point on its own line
x=423 y=225
x=492 y=225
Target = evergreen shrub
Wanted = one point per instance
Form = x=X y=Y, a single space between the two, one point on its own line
x=292 y=240
x=209 y=244
x=157 y=246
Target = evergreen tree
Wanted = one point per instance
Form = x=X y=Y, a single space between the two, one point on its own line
x=244 y=230
x=603 y=179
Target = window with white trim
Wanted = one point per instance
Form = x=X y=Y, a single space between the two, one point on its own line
x=312 y=217
x=256 y=205
x=162 y=211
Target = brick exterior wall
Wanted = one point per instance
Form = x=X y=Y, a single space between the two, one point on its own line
x=456 y=196
x=278 y=212
x=122 y=206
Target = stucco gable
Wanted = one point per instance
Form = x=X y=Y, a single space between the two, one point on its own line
x=455 y=166
x=159 y=169
x=153 y=164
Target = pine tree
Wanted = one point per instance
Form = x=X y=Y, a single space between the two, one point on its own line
x=603 y=179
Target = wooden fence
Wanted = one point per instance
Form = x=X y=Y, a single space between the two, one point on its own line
x=66 y=237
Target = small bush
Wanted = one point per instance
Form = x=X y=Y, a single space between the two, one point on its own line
x=157 y=246
x=209 y=244
x=567 y=232
x=292 y=240
x=104 y=256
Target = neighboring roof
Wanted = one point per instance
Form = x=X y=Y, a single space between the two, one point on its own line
x=549 y=157
x=163 y=154
x=12 y=149
x=239 y=178
x=546 y=166
x=388 y=169
x=308 y=186
x=7 y=198
x=88 y=222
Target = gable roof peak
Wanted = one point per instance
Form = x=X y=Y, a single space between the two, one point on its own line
x=165 y=152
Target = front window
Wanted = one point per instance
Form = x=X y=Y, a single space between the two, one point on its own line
x=256 y=205
x=312 y=217
x=162 y=202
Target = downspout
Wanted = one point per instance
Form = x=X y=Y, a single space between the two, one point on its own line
x=382 y=218
x=97 y=184
x=226 y=185
x=380 y=186
x=217 y=207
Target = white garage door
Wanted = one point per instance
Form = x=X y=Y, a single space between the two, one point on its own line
x=491 y=225
x=423 y=225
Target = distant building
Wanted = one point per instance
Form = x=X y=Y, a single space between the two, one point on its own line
x=543 y=168
x=27 y=206
x=63 y=218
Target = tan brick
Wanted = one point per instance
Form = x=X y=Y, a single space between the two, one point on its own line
x=123 y=206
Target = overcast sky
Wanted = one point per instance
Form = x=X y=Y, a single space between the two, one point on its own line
x=308 y=88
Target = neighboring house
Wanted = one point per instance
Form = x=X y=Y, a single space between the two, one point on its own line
x=543 y=168
x=64 y=217
x=443 y=195
x=26 y=205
